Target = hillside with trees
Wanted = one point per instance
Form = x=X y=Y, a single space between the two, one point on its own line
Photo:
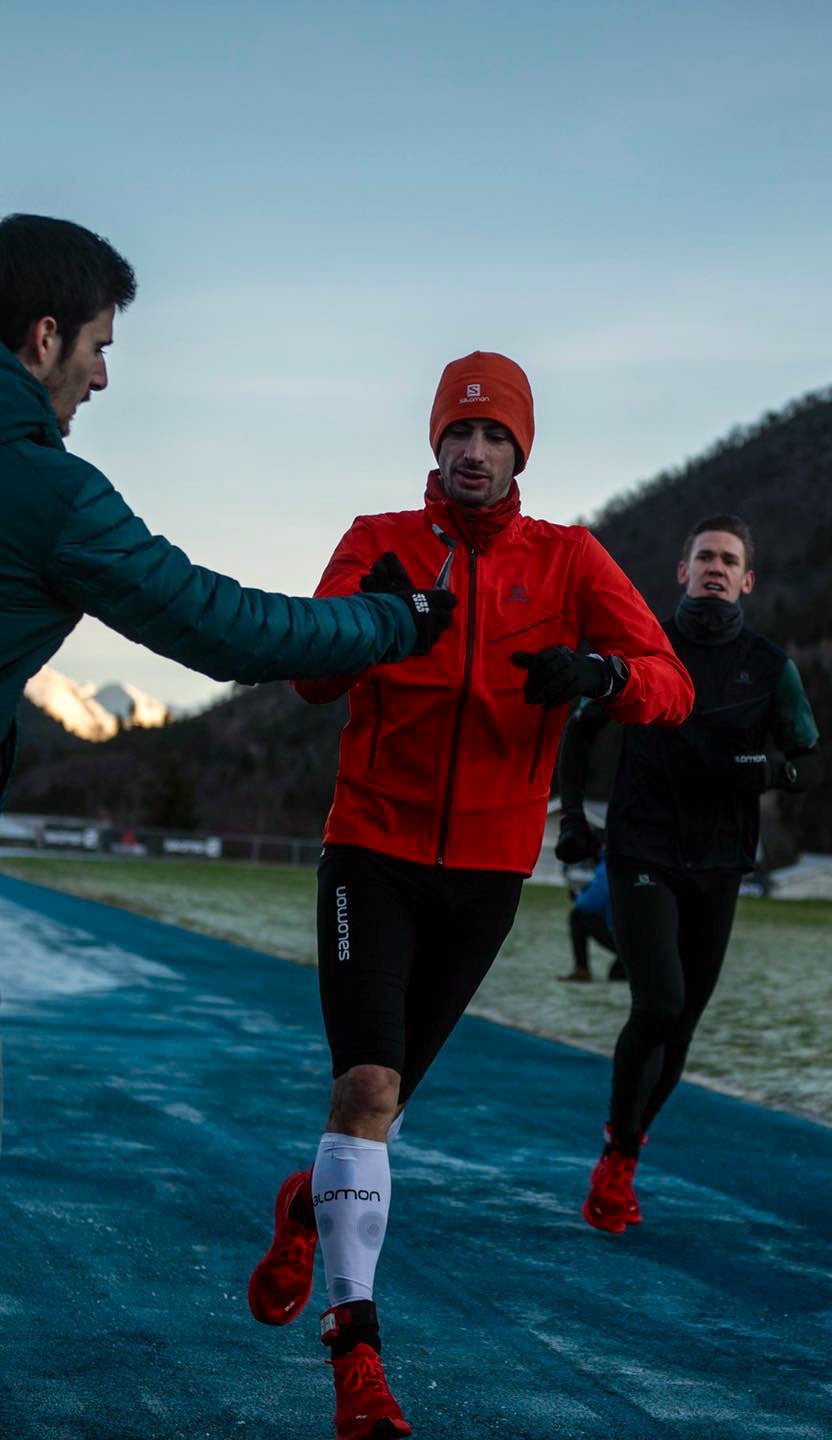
x=264 y=762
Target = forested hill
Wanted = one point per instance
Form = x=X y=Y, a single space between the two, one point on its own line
x=263 y=761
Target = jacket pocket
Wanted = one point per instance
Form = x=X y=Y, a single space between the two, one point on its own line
x=518 y=632
x=375 y=723
x=538 y=746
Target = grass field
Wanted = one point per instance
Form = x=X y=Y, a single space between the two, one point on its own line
x=764 y=1036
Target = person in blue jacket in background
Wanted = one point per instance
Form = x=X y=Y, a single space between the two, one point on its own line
x=69 y=543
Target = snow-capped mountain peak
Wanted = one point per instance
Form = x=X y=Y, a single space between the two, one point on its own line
x=131 y=705
x=90 y=712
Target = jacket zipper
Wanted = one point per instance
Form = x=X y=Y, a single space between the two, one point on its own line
x=443 y=579
x=463 y=696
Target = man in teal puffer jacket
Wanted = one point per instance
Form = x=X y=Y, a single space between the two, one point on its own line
x=69 y=543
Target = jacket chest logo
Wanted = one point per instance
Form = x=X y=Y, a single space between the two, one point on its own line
x=518 y=595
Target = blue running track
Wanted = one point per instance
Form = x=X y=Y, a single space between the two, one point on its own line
x=158 y=1085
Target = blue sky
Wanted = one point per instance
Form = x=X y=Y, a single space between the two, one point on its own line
x=325 y=202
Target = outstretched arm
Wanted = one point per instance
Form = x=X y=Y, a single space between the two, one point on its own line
x=356 y=560
x=342 y=576
x=105 y=562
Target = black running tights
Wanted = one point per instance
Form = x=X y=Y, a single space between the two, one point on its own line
x=672 y=929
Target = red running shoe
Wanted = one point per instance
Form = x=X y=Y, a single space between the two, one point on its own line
x=281 y=1283
x=612 y=1203
x=364 y=1407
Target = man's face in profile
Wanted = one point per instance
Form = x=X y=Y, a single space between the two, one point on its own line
x=71 y=381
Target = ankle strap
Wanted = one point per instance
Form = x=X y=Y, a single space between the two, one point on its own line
x=340 y=1319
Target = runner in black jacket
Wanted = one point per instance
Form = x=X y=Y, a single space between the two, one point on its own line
x=682 y=829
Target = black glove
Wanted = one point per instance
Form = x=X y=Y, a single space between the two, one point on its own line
x=798 y=772
x=577 y=839
x=559 y=674
x=431 y=609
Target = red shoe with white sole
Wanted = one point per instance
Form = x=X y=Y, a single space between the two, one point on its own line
x=281 y=1283
x=364 y=1407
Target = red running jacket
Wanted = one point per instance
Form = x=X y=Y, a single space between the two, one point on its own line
x=442 y=761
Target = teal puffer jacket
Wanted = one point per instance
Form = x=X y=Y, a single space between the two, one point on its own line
x=69 y=545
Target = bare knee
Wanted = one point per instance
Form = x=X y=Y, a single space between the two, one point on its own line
x=364 y=1102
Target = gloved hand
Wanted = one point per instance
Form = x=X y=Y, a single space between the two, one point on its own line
x=577 y=840
x=431 y=609
x=559 y=674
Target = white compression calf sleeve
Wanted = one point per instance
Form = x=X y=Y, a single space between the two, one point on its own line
x=395 y=1127
x=351 y=1196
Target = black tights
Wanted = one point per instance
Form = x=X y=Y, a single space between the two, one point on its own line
x=672 y=929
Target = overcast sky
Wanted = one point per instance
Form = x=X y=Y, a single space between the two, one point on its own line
x=325 y=202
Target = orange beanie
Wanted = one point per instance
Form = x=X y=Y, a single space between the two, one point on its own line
x=485 y=386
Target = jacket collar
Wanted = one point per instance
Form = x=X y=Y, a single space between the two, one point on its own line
x=25 y=408
x=477 y=527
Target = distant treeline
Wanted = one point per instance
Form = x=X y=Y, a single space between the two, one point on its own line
x=261 y=762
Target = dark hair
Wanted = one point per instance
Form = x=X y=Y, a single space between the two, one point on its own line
x=52 y=267
x=732 y=524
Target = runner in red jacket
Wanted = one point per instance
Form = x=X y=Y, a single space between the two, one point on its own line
x=438 y=816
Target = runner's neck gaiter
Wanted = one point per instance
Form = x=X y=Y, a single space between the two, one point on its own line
x=708 y=621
